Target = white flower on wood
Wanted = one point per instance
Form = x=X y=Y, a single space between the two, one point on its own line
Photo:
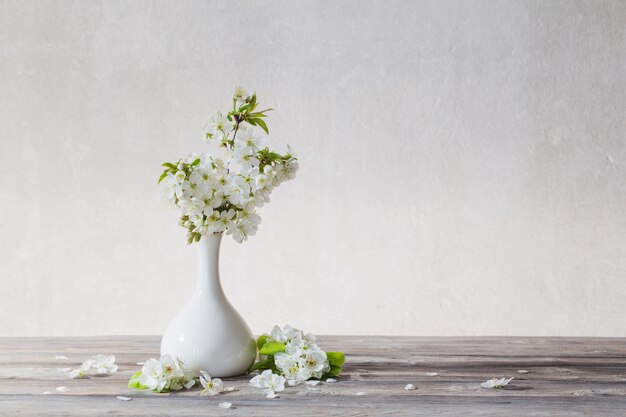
x=212 y=386
x=81 y=371
x=104 y=364
x=269 y=382
x=496 y=383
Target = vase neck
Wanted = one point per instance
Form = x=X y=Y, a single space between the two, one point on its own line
x=208 y=265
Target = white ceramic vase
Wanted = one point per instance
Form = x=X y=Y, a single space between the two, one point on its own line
x=209 y=334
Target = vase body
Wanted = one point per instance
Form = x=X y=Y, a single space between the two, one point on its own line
x=209 y=334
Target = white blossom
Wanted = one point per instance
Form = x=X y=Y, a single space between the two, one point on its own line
x=285 y=334
x=104 y=364
x=81 y=371
x=269 y=382
x=240 y=94
x=218 y=126
x=496 y=383
x=152 y=375
x=212 y=386
x=250 y=139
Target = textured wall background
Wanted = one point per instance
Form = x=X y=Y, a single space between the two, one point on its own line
x=463 y=164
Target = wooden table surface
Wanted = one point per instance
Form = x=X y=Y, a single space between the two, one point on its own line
x=566 y=377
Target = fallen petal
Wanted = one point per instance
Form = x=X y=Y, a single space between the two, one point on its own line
x=360 y=393
x=522 y=371
x=409 y=387
x=224 y=405
x=60 y=357
x=61 y=389
x=271 y=395
x=46 y=392
x=227 y=389
x=331 y=380
x=140 y=363
x=431 y=374
x=313 y=382
x=121 y=398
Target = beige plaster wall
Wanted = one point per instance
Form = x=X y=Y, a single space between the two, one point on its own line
x=463 y=164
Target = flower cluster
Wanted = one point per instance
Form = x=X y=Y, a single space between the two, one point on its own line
x=302 y=359
x=102 y=364
x=222 y=191
x=162 y=375
x=291 y=354
x=170 y=374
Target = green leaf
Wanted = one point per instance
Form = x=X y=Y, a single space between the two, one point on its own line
x=169 y=165
x=335 y=370
x=262 y=125
x=264 y=364
x=261 y=341
x=271 y=348
x=134 y=381
x=163 y=175
x=253 y=102
x=335 y=358
x=260 y=113
x=196 y=162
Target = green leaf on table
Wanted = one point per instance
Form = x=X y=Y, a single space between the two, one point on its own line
x=134 y=381
x=271 y=348
x=261 y=341
x=335 y=370
x=335 y=358
x=262 y=365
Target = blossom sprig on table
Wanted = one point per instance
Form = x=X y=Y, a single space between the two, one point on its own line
x=163 y=375
x=171 y=374
x=294 y=355
x=221 y=192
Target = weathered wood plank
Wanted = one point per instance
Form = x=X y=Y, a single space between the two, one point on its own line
x=567 y=376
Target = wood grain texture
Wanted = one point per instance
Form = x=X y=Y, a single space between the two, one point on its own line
x=567 y=377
